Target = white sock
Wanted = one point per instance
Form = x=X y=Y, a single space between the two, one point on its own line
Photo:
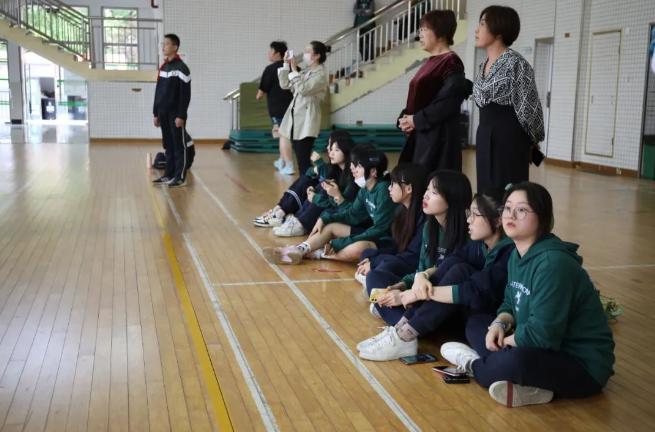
x=304 y=247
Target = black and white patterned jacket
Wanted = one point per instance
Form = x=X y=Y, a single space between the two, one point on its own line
x=510 y=81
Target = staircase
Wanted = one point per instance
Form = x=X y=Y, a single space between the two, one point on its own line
x=362 y=60
x=61 y=34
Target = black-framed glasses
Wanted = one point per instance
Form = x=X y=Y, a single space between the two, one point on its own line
x=471 y=214
x=518 y=213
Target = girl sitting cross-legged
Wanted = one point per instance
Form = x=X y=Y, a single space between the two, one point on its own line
x=445 y=202
x=343 y=234
x=323 y=186
x=469 y=281
x=550 y=335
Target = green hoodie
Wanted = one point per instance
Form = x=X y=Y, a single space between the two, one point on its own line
x=555 y=305
x=323 y=200
x=424 y=260
x=374 y=205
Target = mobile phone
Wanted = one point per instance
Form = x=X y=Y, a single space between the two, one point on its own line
x=420 y=358
x=289 y=54
x=376 y=293
x=456 y=380
x=321 y=179
x=448 y=371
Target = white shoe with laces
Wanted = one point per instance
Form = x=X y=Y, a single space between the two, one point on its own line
x=389 y=347
x=513 y=395
x=374 y=311
x=288 y=168
x=290 y=228
x=270 y=221
x=461 y=355
x=366 y=342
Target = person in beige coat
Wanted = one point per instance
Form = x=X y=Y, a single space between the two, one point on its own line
x=302 y=121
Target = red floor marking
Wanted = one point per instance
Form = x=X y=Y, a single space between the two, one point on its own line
x=237 y=183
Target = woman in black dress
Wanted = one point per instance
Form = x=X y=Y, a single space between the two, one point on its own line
x=511 y=118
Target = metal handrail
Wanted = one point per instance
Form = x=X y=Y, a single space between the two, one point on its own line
x=392 y=26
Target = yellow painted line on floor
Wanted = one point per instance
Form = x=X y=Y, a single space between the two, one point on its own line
x=211 y=380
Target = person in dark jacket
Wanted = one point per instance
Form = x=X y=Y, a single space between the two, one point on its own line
x=471 y=280
x=172 y=98
x=431 y=116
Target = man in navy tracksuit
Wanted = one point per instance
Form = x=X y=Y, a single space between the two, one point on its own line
x=172 y=97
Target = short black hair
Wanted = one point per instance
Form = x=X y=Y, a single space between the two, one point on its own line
x=320 y=49
x=442 y=22
x=174 y=38
x=541 y=202
x=490 y=208
x=279 y=47
x=502 y=21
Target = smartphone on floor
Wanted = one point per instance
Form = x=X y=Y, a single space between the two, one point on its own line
x=420 y=358
x=451 y=375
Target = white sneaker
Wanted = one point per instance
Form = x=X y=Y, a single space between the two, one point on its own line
x=513 y=395
x=366 y=342
x=461 y=355
x=290 y=228
x=288 y=168
x=278 y=164
x=389 y=347
x=268 y=221
x=374 y=311
x=361 y=278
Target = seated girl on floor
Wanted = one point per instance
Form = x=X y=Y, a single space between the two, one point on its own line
x=323 y=186
x=445 y=202
x=469 y=281
x=343 y=234
x=550 y=336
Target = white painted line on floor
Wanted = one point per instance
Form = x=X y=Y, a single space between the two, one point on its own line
x=621 y=267
x=255 y=390
x=361 y=368
x=297 y=281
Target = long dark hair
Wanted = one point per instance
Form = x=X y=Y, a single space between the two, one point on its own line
x=403 y=226
x=343 y=177
x=455 y=189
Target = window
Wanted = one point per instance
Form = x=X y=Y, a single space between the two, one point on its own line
x=4 y=83
x=120 y=38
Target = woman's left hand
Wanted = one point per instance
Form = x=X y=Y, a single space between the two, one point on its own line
x=328 y=250
x=407 y=123
x=390 y=299
x=331 y=188
x=293 y=65
x=509 y=341
x=310 y=193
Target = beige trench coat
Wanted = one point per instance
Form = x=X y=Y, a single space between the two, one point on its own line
x=309 y=87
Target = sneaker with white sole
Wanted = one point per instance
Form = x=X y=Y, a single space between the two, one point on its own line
x=283 y=255
x=361 y=278
x=278 y=164
x=370 y=341
x=461 y=355
x=389 y=347
x=513 y=395
x=288 y=168
x=268 y=221
x=290 y=228
x=374 y=311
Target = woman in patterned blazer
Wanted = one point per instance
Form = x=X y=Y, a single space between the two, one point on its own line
x=511 y=118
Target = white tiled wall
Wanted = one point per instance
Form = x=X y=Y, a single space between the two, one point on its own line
x=633 y=19
x=383 y=105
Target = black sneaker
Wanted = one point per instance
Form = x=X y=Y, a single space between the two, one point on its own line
x=176 y=183
x=161 y=180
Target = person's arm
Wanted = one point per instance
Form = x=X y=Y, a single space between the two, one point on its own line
x=385 y=209
x=525 y=100
x=352 y=215
x=408 y=279
x=184 y=79
x=266 y=82
x=283 y=76
x=446 y=104
x=486 y=287
x=310 y=85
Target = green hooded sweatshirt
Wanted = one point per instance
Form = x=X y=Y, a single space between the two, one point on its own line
x=374 y=205
x=555 y=305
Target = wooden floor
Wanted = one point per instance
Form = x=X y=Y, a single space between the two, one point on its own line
x=105 y=282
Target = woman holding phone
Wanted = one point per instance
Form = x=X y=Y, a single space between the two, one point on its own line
x=302 y=121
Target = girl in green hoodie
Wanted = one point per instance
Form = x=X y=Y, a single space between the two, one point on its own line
x=550 y=336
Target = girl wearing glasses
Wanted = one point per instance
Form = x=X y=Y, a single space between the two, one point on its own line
x=469 y=281
x=550 y=336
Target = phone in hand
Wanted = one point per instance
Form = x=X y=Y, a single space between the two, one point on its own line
x=289 y=55
x=420 y=358
x=376 y=293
